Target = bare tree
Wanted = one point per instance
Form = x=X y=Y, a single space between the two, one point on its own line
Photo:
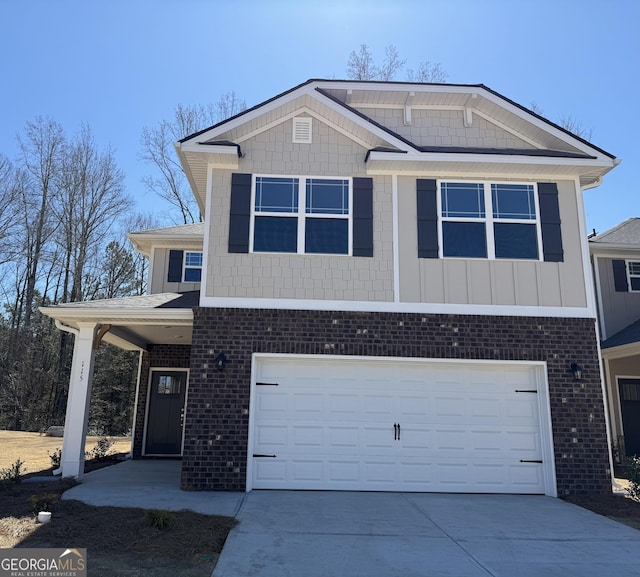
x=42 y=151
x=428 y=72
x=360 y=65
x=567 y=122
x=157 y=142
x=10 y=181
x=391 y=64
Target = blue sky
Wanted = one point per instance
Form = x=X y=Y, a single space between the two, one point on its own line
x=120 y=65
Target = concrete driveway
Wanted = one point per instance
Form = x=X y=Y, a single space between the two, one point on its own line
x=335 y=534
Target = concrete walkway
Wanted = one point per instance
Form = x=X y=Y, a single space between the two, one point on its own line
x=150 y=485
x=351 y=534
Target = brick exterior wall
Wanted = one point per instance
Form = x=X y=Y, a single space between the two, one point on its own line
x=217 y=419
x=166 y=356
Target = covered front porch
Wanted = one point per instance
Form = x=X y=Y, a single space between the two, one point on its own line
x=159 y=327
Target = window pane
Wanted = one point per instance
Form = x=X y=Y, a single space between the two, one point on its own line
x=634 y=268
x=465 y=239
x=516 y=240
x=168 y=385
x=276 y=194
x=327 y=196
x=275 y=234
x=327 y=235
x=193 y=259
x=513 y=201
x=635 y=283
x=192 y=274
x=462 y=199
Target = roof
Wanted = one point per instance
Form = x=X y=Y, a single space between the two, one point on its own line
x=626 y=336
x=352 y=108
x=627 y=232
x=183 y=236
x=134 y=322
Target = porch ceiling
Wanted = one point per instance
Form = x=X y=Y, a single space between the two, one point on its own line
x=134 y=322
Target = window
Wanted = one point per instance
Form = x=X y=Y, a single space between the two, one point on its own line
x=301 y=215
x=633 y=269
x=168 y=385
x=489 y=220
x=192 y=267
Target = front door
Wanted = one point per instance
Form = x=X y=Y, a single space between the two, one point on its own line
x=630 y=405
x=166 y=412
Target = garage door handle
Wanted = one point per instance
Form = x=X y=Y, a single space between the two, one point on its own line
x=263 y=456
x=396 y=431
x=532 y=461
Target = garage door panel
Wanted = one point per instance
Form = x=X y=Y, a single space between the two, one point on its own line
x=330 y=423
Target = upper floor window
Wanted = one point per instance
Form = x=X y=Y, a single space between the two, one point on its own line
x=192 y=267
x=633 y=271
x=489 y=220
x=301 y=215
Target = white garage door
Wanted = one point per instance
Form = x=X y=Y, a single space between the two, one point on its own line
x=383 y=425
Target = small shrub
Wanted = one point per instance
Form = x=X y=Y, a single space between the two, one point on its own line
x=101 y=450
x=633 y=468
x=43 y=502
x=158 y=519
x=56 y=458
x=13 y=474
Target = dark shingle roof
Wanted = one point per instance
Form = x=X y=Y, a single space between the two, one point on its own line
x=626 y=336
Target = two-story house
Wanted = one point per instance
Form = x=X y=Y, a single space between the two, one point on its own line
x=390 y=291
x=615 y=256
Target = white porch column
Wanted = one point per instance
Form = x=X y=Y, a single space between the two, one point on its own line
x=75 y=424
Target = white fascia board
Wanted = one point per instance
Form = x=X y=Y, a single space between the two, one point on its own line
x=187 y=171
x=200 y=148
x=396 y=307
x=131 y=316
x=489 y=158
x=613 y=250
x=628 y=350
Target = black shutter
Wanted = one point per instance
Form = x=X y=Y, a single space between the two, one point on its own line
x=550 y=222
x=174 y=274
x=362 y=217
x=240 y=213
x=620 y=276
x=427 y=218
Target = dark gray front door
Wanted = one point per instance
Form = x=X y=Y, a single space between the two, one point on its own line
x=630 y=405
x=166 y=412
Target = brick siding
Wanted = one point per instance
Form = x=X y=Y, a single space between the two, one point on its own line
x=166 y=356
x=217 y=420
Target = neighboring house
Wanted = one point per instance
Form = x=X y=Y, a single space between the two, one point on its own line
x=615 y=255
x=394 y=284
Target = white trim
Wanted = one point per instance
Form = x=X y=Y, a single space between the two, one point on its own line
x=393 y=307
x=628 y=261
x=143 y=450
x=544 y=405
x=191 y=267
x=605 y=403
x=460 y=157
x=395 y=223
x=135 y=405
x=584 y=249
x=207 y=233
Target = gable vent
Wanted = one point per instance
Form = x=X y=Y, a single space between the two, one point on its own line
x=302 y=130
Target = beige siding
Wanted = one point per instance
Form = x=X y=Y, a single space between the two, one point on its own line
x=292 y=276
x=158 y=276
x=481 y=282
x=620 y=309
x=445 y=128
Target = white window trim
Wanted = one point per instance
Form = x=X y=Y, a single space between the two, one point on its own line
x=185 y=267
x=301 y=215
x=489 y=220
x=630 y=276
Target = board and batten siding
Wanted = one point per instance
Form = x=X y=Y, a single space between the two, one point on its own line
x=491 y=282
x=619 y=308
x=296 y=276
